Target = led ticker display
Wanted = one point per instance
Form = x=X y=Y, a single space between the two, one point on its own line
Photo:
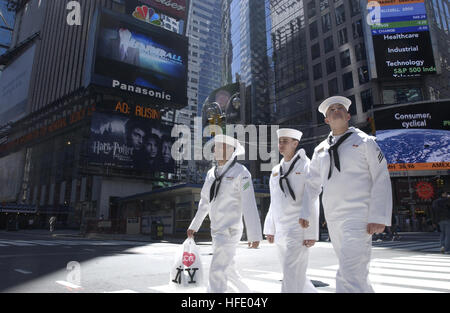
x=401 y=39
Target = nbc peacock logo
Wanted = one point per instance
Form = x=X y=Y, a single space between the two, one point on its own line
x=146 y=14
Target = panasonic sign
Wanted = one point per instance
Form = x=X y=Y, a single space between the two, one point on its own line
x=142 y=91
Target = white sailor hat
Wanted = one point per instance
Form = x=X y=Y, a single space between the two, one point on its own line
x=323 y=107
x=290 y=133
x=240 y=150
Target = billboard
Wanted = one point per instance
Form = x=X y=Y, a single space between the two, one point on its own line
x=141 y=60
x=415 y=136
x=401 y=39
x=131 y=143
x=173 y=8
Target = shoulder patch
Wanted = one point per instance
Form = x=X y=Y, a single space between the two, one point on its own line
x=380 y=157
x=246 y=186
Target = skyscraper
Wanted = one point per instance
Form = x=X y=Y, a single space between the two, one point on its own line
x=245 y=53
x=48 y=98
x=290 y=62
x=319 y=52
x=6 y=23
x=204 y=71
x=439 y=16
x=323 y=48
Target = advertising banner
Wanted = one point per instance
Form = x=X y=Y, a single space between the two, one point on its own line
x=130 y=142
x=415 y=137
x=149 y=61
x=173 y=8
x=401 y=39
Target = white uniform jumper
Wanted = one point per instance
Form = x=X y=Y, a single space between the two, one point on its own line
x=356 y=191
x=282 y=221
x=234 y=199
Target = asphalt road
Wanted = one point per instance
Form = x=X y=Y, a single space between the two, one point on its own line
x=31 y=263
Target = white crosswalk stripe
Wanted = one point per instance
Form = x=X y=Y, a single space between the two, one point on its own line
x=418 y=273
x=408 y=245
x=425 y=273
x=19 y=243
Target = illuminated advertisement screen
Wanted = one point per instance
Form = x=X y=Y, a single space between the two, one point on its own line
x=401 y=39
x=130 y=142
x=145 y=9
x=415 y=137
x=141 y=59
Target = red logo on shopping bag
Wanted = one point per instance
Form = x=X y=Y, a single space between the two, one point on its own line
x=188 y=259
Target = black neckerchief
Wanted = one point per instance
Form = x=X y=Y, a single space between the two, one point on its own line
x=284 y=177
x=218 y=180
x=333 y=151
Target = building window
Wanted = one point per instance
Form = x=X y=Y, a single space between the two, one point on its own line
x=313 y=30
x=326 y=23
x=342 y=36
x=317 y=71
x=363 y=74
x=366 y=100
x=333 y=88
x=347 y=80
x=328 y=44
x=318 y=92
x=311 y=9
x=340 y=14
x=315 y=51
x=355 y=7
x=323 y=5
x=360 y=52
x=331 y=65
x=345 y=58
x=357 y=29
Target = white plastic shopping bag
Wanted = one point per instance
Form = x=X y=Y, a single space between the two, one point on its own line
x=187 y=270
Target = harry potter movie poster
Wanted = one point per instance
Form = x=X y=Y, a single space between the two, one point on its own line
x=130 y=142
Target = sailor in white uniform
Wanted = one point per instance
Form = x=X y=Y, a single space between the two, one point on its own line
x=226 y=196
x=282 y=224
x=357 y=194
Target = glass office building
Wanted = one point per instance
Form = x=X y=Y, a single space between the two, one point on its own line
x=245 y=27
x=6 y=23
